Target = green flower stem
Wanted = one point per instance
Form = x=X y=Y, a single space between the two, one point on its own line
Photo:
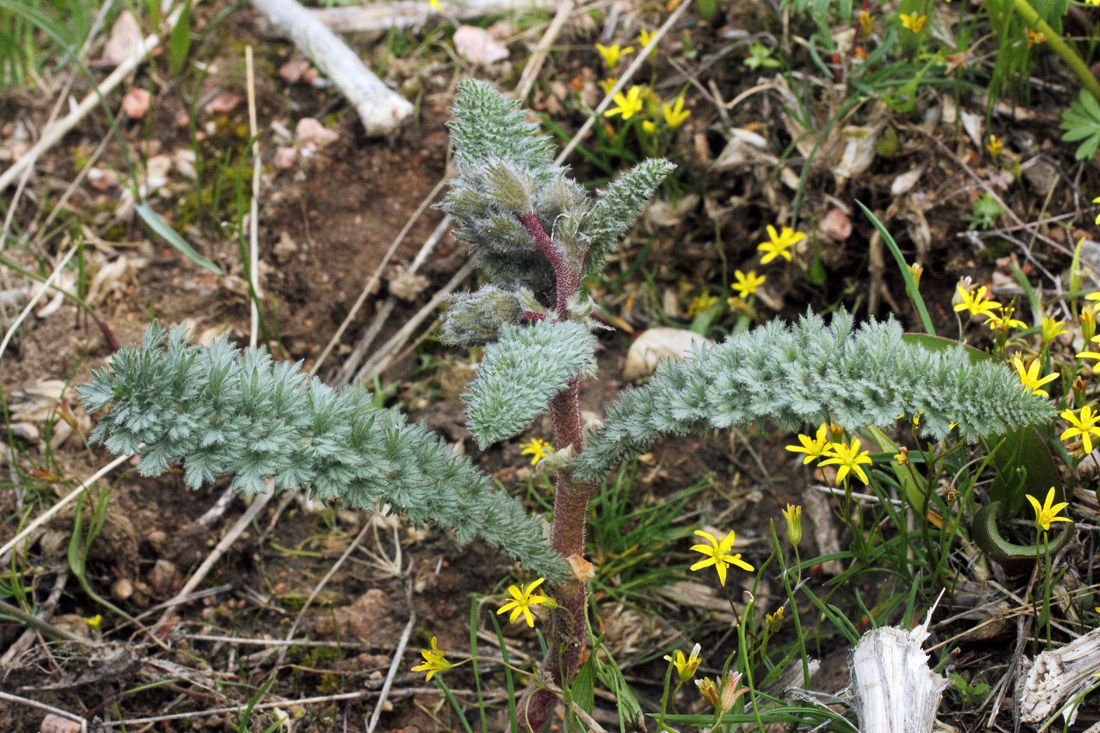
x=1066 y=52
x=785 y=575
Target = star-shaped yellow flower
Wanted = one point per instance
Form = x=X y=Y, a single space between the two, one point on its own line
x=778 y=243
x=644 y=37
x=995 y=146
x=912 y=21
x=1097 y=199
x=1048 y=511
x=718 y=555
x=1029 y=377
x=1083 y=425
x=537 y=449
x=815 y=447
x=1052 y=329
x=676 y=114
x=433 y=662
x=975 y=302
x=848 y=458
x=1004 y=320
x=612 y=54
x=522 y=600
x=685 y=668
x=626 y=105
x=746 y=283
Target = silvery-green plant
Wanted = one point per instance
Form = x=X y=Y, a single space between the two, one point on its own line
x=538 y=234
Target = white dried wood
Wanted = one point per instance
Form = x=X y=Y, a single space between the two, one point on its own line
x=380 y=108
x=406 y=13
x=895 y=690
x=1054 y=677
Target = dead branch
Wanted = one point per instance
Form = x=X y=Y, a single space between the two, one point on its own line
x=380 y=108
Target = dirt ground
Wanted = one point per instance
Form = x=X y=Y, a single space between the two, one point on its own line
x=325 y=224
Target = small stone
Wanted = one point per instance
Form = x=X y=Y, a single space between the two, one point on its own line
x=656 y=345
x=135 y=104
x=309 y=130
x=222 y=104
x=56 y=724
x=477 y=46
x=285 y=157
x=102 y=179
x=292 y=71
x=125 y=39
x=835 y=226
x=164 y=578
x=122 y=589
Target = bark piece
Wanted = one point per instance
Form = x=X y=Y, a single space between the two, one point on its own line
x=1056 y=676
x=895 y=690
x=380 y=108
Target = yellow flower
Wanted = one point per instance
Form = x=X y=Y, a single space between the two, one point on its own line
x=1088 y=323
x=793 y=515
x=685 y=668
x=774 y=620
x=1030 y=377
x=649 y=127
x=708 y=689
x=816 y=447
x=608 y=84
x=912 y=21
x=1034 y=38
x=1048 y=511
x=916 y=270
x=718 y=555
x=522 y=600
x=848 y=458
x=675 y=115
x=612 y=54
x=1093 y=2
x=902 y=456
x=865 y=24
x=1052 y=329
x=1097 y=199
x=701 y=302
x=778 y=243
x=995 y=146
x=1005 y=321
x=644 y=37
x=746 y=283
x=94 y=621
x=1085 y=426
x=626 y=105
x=975 y=302
x=433 y=662
x=436 y=6
x=537 y=449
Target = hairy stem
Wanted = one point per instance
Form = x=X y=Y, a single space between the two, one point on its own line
x=568 y=631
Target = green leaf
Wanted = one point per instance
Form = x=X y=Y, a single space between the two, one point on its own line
x=1015 y=557
x=583 y=689
x=179 y=42
x=161 y=227
x=521 y=373
x=910 y=284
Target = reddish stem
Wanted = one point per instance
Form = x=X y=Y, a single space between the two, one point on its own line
x=568 y=632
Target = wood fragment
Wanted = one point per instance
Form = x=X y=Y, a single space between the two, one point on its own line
x=380 y=108
x=895 y=690
x=406 y=13
x=1054 y=677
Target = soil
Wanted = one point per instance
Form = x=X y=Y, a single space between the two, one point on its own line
x=324 y=227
